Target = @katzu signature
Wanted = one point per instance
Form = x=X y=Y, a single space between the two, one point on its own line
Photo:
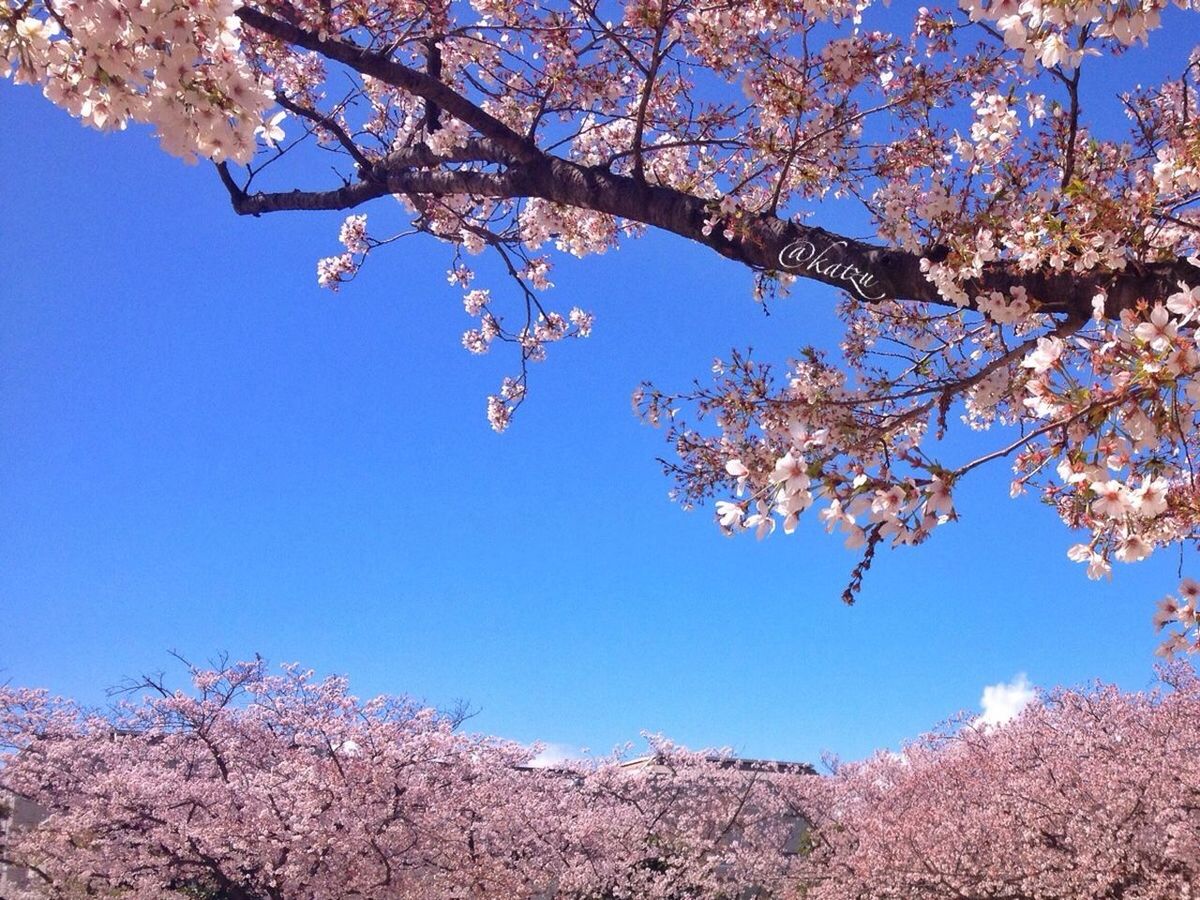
x=804 y=255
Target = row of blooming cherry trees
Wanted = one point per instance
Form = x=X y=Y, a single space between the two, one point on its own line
x=1033 y=272
x=286 y=787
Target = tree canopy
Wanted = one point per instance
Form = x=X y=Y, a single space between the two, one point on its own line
x=250 y=785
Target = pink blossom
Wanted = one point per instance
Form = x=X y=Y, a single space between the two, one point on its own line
x=1112 y=499
x=1045 y=357
x=1159 y=331
x=1186 y=303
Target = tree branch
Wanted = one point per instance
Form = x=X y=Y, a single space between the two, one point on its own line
x=760 y=239
x=398 y=75
x=510 y=184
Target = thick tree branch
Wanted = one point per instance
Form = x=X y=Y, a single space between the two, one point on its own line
x=897 y=274
x=760 y=241
x=433 y=68
x=513 y=183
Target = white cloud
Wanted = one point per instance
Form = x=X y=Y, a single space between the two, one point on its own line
x=555 y=755
x=1001 y=702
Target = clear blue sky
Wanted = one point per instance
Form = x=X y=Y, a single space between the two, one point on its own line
x=201 y=450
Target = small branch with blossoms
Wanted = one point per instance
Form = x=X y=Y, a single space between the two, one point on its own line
x=780 y=451
x=541 y=327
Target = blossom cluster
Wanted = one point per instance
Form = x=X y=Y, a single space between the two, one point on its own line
x=177 y=66
x=333 y=271
x=1112 y=418
x=1043 y=30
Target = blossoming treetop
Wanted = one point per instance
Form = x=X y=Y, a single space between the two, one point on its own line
x=1030 y=274
x=253 y=786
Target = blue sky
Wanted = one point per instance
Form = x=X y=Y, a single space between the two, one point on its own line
x=201 y=450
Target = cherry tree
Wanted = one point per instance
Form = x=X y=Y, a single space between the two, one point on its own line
x=1087 y=794
x=252 y=785
x=1033 y=273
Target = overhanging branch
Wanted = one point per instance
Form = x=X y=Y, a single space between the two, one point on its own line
x=760 y=239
